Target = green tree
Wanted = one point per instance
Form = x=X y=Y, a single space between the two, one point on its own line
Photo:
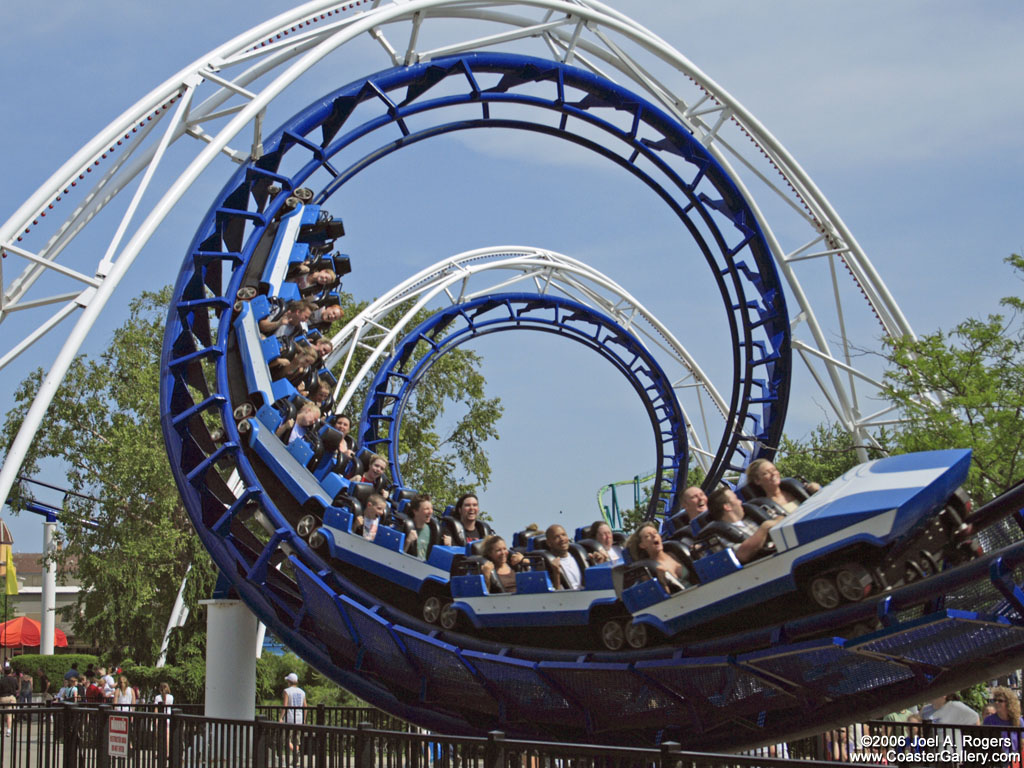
x=104 y=430
x=965 y=389
x=271 y=669
x=825 y=454
x=975 y=697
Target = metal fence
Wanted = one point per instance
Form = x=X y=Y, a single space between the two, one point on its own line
x=82 y=736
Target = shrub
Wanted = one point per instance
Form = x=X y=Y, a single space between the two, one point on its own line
x=54 y=667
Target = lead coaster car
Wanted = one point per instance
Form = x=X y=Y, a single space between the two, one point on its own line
x=880 y=525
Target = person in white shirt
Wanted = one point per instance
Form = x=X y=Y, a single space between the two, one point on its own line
x=291 y=711
x=569 y=574
x=367 y=523
x=305 y=420
x=107 y=682
x=165 y=699
x=124 y=694
x=601 y=532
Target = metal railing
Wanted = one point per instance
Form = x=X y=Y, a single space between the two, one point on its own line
x=338 y=717
x=84 y=736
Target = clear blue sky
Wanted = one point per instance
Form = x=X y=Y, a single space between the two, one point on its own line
x=907 y=115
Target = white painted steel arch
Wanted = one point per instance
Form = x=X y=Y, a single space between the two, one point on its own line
x=487 y=271
x=219 y=102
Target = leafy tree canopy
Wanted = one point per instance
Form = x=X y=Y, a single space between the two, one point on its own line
x=965 y=389
x=825 y=454
x=104 y=428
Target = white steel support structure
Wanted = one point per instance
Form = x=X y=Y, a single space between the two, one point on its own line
x=217 y=106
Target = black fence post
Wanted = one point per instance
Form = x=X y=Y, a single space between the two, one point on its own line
x=177 y=737
x=162 y=735
x=321 y=714
x=69 y=718
x=670 y=754
x=494 y=751
x=259 y=742
x=320 y=740
x=102 y=736
x=364 y=746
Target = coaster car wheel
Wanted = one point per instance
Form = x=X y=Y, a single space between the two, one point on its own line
x=432 y=608
x=306 y=525
x=613 y=636
x=637 y=635
x=934 y=561
x=318 y=541
x=915 y=571
x=450 y=617
x=853 y=582
x=824 y=593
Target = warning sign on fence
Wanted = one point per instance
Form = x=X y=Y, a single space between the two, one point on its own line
x=117 y=736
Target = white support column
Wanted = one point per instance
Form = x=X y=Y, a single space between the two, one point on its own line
x=230 y=660
x=48 y=608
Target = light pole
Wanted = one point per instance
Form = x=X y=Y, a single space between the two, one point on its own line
x=48 y=606
x=48 y=596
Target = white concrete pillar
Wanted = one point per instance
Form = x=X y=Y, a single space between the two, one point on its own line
x=230 y=660
x=48 y=609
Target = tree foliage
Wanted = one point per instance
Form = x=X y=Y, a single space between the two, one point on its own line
x=103 y=432
x=965 y=389
x=825 y=454
x=270 y=673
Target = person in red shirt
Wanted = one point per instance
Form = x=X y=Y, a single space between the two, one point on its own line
x=93 y=692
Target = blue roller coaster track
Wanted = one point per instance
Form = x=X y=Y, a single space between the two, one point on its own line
x=447 y=329
x=247 y=492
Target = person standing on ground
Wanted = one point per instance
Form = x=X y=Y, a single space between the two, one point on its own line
x=164 y=699
x=69 y=692
x=82 y=684
x=124 y=694
x=1007 y=714
x=94 y=692
x=44 y=685
x=164 y=702
x=24 y=689
x=8 y=697
x=294 y=700
x=291 y=712
x=106 y=682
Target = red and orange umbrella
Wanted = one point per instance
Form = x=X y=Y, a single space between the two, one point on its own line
x=26 y=631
